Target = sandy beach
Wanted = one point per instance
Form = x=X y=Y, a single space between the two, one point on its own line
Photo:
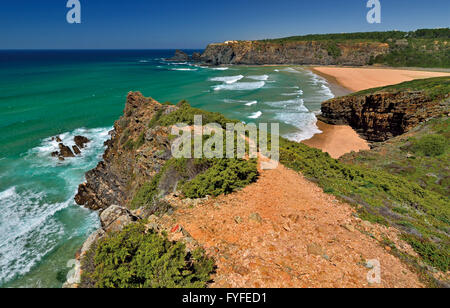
x=340 y=140
x=337 y=140
x=358 y=79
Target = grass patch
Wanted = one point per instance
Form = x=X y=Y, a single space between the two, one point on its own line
x=430 y=145
x=435 y=88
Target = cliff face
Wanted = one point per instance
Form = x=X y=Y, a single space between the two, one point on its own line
x=125 y=167
x=301 y=53
x=381 y=116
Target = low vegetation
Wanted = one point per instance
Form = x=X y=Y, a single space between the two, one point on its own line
x=136 y=258
x=435 y=88
x=223 y=177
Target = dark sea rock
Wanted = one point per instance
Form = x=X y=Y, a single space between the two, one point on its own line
x=65 y=151
x=81 y=141
x=76 y=150
x=196 y=57
x=179 y=56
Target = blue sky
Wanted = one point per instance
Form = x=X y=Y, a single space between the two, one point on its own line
x=195 y=23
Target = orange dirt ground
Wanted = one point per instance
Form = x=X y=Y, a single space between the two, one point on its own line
x=284 y=231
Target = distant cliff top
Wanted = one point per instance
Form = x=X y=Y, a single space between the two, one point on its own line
x=420 y=48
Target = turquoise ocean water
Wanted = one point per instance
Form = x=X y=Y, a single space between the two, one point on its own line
x=68 y=93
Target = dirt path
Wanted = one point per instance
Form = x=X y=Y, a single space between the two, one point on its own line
x=284 y=231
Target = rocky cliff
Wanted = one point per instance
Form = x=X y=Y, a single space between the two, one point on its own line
x=301 y=53
x=382 y=115
x=126 y=166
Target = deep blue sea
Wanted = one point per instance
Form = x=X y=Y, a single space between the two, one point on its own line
x=68 y=93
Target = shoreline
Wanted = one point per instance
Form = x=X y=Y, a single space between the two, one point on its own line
x=338 y=140
x=357 y=79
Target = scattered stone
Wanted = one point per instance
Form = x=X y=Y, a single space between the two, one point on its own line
x=241 y=270
x=294 y=218
x=349 y=227
x=287 y=228
x=368 y=266
x=315 y=249
x=367 y=224
x=255 y=217
x=115 y=218
x=238 y=219
x=81 y=141
x=55 y=154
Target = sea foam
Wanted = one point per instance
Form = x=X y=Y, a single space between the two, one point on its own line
x=227 y=79
x=240 y=86
x=255 y=115
x=259 y=77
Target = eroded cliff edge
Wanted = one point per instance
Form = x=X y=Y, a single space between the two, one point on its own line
x=384 y=113
x=124 y=169
x=301 y=53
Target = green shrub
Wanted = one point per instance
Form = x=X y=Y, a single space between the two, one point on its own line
x=155 y=119
x=431 y=145
x=431 y=253
x=134 y=258
x=223 y=177
x=146 y=195
x=334 y=50
x=185 y=114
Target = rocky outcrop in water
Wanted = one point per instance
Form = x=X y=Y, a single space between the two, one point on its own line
x=381 y=116
x=301 y=53
x=81 y=141
x=179 y=56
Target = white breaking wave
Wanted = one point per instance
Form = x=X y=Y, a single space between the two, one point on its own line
x=240 y=86
x=260 y=77
x=293 y=105
x=30 y=226
x=255 y=115
x=41 y=155
x=184 y=69
x=324 y=91
x=290 y=70
x=246 y=103
x=296 y=93
x=306 y=122
x=219 y=68
x=227 y=79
